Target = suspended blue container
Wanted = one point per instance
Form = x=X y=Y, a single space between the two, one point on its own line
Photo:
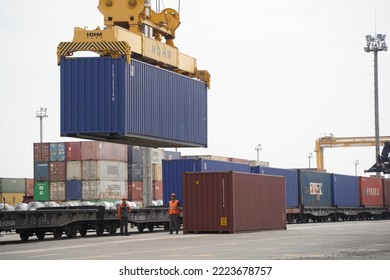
x=138 y=104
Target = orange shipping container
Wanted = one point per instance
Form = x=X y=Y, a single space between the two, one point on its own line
x=371 y=191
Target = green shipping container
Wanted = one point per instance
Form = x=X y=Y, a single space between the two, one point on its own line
x=12 y=185
x=41 y=191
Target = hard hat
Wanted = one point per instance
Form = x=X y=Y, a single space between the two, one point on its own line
x=173 y=194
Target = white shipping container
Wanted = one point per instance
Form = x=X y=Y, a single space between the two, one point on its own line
x=104 y=190
x=157 y=156
x=57 y=191
x=157 y=172
x=73 y=170
x=90 y=190
x=104 y=170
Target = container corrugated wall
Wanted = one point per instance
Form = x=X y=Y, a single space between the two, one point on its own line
x=386 y=192
x=73 y=190
x=314 y=189
x=12 y=185
x=291 y=182
x=41 y=191
x=41 y=171
x=371 y=191
x=231 y=202
x=345 y=190
x=139 y=104
x=174 y=169
x=73 y=151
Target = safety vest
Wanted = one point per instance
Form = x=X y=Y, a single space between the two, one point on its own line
x=174 y=207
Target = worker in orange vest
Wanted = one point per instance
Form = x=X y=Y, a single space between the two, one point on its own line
x=123 y=214
x=174 y=211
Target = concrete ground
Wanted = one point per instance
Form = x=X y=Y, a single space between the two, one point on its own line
x=362 y=240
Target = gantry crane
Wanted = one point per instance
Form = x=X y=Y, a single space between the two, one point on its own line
x=335 y=142
x=133 y=29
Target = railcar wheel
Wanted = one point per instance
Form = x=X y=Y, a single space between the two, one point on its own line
x=150 y=227
x=24 y=235
x=40 y=235
x=99 y=230
x=57 y=233
x=83 y=232
x=141 y=227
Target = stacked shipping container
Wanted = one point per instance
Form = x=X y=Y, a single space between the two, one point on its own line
x=12 y=190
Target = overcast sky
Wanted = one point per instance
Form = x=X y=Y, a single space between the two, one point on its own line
x=283 y=74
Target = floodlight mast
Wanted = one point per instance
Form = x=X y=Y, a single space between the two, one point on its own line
x=375 y=44
x=42 y=113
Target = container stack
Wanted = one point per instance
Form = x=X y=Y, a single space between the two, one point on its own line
x=41 y=171
x=74 y=184
x=135 y=173
x=12 y=190
x=104 y=171
x=57 y=171
x=85 y=170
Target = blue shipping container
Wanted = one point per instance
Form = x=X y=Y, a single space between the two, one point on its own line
x=172 y=171
x=57 y=151
x=314 y=188
x=139 y=104
x=41 y=171
x=291 y=182
x=73 y=190
x=345 y=190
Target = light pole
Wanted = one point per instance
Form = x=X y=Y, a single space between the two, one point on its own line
x=42 y=113
x=258 y=149
x=310 y=155
x=376 y=44
x=356 y=164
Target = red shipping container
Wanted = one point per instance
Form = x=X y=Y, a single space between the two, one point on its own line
x=157 y=190
x=386 y=192
x=57 y=171
x=371 y=191
x=136 y=191
x=96 y=150
x=29 y=186
x=41 y=151
x=232 y=201
x=73 y=151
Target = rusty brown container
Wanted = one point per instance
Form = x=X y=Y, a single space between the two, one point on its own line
x=96 y=150
x=157 y=190
x=41 y=151
x=73 y=151
x=231 y=202
x=57 y=171
x=386 y=192
x=136 y=191
x=29 y=186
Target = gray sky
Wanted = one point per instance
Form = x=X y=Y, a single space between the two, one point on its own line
x=283 y=73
